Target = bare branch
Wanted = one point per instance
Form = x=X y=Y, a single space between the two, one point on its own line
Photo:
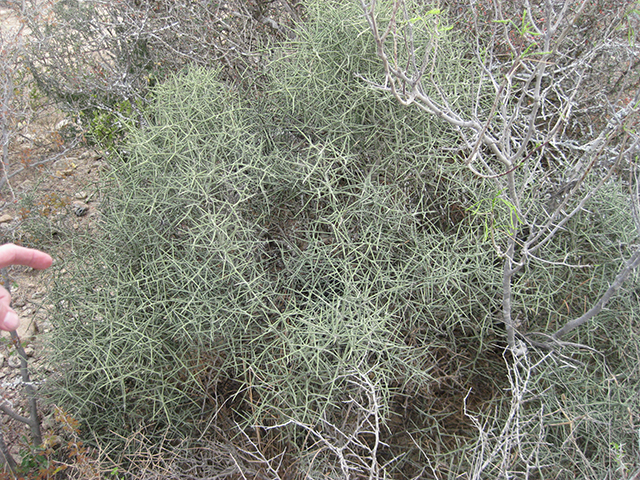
x=628 y=268
x=33 y=421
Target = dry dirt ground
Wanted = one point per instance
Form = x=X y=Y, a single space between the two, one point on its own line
x=70 y=181
x=53 y=180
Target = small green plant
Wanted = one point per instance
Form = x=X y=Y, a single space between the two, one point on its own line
x=632 y=12
x=429 y=16
x=523 y=33
x=33 y=459
x=497 y=207
x=115 y=473
x=107 y=128
x=618 y=453
x=55 y=455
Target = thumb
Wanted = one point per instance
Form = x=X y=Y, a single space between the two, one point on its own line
x=10 y=321
x=8 y=317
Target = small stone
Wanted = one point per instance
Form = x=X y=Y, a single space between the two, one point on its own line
x=67 y=172
x=88 y=153
x=14 y=361
x=52 y=441
x=81 y=195
x=44 y=326
x=60 y=164
x=62 y=124
x=5 y=218
x=29 y=350
x=80 y=209
x=65 y=167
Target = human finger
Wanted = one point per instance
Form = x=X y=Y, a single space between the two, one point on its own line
x=11 y=254
x=8 y=317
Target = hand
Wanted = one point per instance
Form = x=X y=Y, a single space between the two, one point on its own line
x=14 y=255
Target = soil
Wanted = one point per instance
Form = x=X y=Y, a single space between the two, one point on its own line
x=53 y=178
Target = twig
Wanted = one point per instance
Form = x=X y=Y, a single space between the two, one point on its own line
x=629 y=266
x=4 y=452
x=33 y=421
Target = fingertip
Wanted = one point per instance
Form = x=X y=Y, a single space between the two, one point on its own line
x=45 y=262
x=11 y=321
x=40 y=260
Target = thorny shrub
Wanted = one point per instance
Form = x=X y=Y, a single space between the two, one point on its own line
x=309 y=273
x=294 y=266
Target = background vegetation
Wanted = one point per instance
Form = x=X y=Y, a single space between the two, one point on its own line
x=298 y=276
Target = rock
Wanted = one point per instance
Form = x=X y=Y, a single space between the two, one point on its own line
x=28 y=137
x=60 y=164
x=89 y=153
x=80 y=209
x=44 y=326
x=18 y=301
x=52 y=441
x=29 y=350
x=62 y=124
x=5 y=218
x=65 y=173
x=14 y=361
x=66 y=167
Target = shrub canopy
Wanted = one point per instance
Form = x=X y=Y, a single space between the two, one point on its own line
x=311 y=256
